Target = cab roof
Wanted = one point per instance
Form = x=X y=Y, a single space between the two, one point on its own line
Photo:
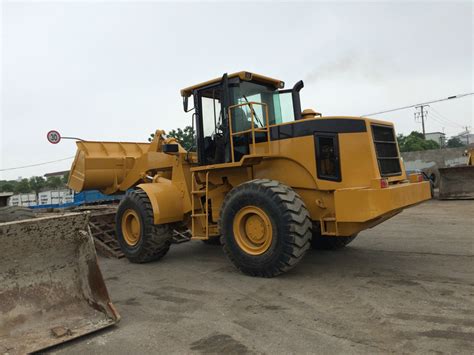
x=243 y=75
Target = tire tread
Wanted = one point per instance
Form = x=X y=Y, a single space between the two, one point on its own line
x=296 y=219
x=156 y=238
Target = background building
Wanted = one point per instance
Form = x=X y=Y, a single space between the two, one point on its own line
x=438 y=137
x=466 y=137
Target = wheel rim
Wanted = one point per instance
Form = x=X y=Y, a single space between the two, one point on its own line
x=131 y=227
x=253 y=230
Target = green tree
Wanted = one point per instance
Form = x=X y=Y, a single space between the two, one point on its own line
x=415 y=142
x=7 y=186
x=65 y=178
x=22 y=187
x=54 y=182
x=454 y=142
x=37 y=183
x=186 y=137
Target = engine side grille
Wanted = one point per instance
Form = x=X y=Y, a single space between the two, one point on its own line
x=386 y=150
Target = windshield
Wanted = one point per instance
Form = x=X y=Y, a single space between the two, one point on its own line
x=280 y=105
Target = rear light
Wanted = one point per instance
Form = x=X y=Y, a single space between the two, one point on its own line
x=416 y=178
x=383 y=183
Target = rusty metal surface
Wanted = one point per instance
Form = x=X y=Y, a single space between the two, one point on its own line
x=102 y=227
x=52 y=289
x=457 y=183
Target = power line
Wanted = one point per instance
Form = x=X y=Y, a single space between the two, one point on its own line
x=32 y=165
x=443 y=121
x=445 y=118
x=420 y=104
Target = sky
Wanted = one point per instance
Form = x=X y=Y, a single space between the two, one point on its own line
x=112 y=71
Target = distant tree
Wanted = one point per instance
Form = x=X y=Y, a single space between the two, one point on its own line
x=37 y=183
x=415 y=142
x=401 y=139
x=454 y=142
x=186 y=137
x=22 y=187
x=54 y=182
x=65 y=178
x=7 y=186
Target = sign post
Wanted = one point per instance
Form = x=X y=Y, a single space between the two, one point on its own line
x=53 y=137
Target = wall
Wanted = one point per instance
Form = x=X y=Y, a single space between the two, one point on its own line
x=430 y=160
x=43 y=198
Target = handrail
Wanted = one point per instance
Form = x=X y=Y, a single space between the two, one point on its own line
x=252 y=130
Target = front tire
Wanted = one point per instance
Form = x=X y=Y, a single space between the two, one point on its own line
x=265 y=227
x=140 y=240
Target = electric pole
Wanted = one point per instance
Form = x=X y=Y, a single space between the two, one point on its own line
x=467 y=134
x=423 y=113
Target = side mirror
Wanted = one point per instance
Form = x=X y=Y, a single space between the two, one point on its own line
x=185 y=103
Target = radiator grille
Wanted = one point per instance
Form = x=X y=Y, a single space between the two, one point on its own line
x=386 y=150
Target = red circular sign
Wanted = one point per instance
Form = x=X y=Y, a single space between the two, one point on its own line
x=53 y=137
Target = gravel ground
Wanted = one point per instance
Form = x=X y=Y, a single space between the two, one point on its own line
x=406 y=285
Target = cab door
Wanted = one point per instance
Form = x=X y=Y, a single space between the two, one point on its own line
x=211 y=104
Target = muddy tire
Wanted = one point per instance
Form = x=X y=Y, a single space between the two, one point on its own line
x=15 y=213
x=265 y=228
x=321 y=242
x=140 y=240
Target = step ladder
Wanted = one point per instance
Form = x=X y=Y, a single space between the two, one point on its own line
x=201 y=215
x=324 y=226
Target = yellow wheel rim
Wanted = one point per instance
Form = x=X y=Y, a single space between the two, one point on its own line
x=253 y=230
x=131 y=227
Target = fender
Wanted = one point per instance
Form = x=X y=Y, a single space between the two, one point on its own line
x=166 y=200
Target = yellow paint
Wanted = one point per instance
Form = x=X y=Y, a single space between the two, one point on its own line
x=131 y=227
x=243 y=75
x=342 y=208
x=252 y=230
x=166 y=199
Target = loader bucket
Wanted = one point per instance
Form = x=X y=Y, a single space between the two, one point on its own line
x=103 y=165
x=456 y=182
x=52 y=289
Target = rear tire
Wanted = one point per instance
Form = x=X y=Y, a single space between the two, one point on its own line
x=140 y=240
x=322 y=242
x=265 y=228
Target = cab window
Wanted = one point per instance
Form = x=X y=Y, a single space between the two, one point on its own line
x=210 y=110
x=283 y=107
x=327 y=157
x=279 y=104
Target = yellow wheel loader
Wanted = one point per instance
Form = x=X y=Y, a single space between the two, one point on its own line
x=267 y=178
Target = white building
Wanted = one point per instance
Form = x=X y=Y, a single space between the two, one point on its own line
x=52 y=197
x=466 y=137
x=25 y=200
x=55 y=197
x=438 y=137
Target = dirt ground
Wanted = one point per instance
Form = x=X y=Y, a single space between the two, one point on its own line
x=406 y=285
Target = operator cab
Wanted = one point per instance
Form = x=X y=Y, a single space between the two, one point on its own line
x=242 y=98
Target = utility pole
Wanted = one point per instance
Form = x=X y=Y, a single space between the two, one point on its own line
x=467 y=134
x=423 y=113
